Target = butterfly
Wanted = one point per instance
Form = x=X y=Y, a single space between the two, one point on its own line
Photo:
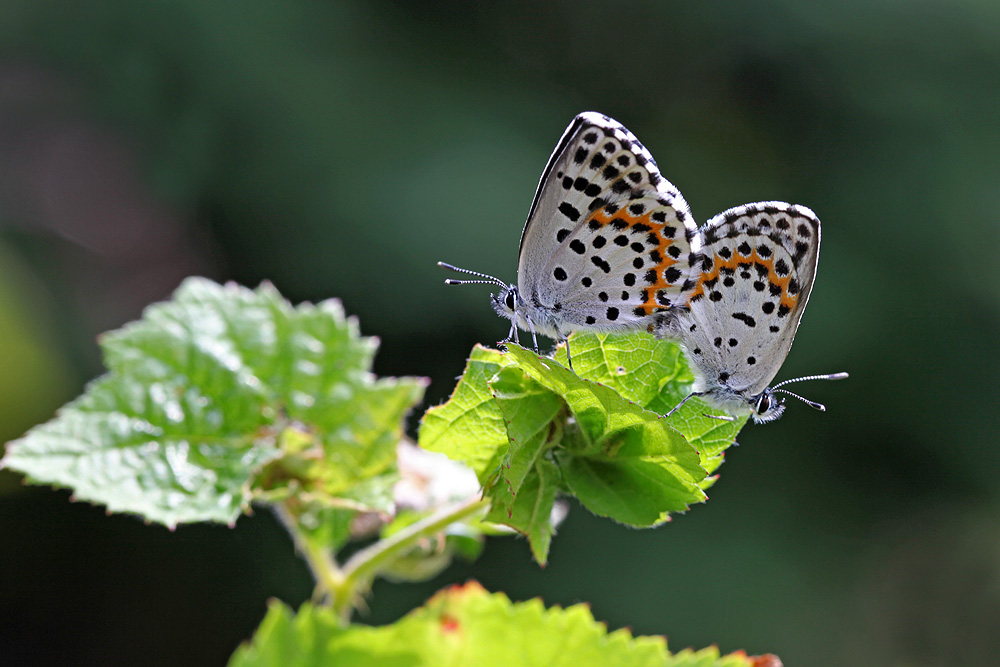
x=757 y=268
x=609 y=244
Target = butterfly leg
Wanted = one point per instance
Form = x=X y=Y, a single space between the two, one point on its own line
x=534 y=338
x=686 y=399
x=569 y=357
x=721 y=418
x=511 y=335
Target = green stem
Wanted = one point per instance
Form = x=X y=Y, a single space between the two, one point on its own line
x=329 y=577
x=343 y=586
x=362 y=568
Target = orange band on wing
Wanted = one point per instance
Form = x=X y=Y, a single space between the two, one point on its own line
x=734 y=263
x=647 y=227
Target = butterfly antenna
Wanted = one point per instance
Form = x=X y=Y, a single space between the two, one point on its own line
x=831 y=376
x=812 y=404
x=490 y=280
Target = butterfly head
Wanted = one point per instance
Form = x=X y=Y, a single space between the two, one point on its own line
x=506 y=302
x=768 y=407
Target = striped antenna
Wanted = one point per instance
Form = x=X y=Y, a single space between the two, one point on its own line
x=490 y=280
x=812 y=404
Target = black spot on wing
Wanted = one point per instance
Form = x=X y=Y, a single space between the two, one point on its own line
x=601 y=264
x=569 y=211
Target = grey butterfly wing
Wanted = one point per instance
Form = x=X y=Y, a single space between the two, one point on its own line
x=609 y=242
x=759 y=264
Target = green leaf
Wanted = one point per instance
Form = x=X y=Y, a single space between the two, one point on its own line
x=302 y=639
x=712 y=657
x=462 y=625
x=466 y=625
x=531 y=413
x=510 y=411
x=636 y=365
x=469 y=427
x=524 y=493
x=629 y=465
x=208 y=388
x=530 y=510
x=654 y=374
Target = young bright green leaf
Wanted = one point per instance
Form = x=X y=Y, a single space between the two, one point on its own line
x=202 y=392
x=710 y=436
x=469 y=426
x=632 y=466
x=463 y=626
x=636 y=365
x=654 y=374
x=460 y=626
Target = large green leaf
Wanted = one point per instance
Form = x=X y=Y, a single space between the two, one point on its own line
x=462 y=626
x=203 y=391
x=601 y=424
x=654 y=374
x=624 y=462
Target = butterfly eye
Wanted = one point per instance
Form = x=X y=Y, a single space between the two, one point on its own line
x=764 y=404
x=509 y=300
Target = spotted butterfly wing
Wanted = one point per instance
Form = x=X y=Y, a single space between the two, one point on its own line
x=758 y=266
x=609 y=243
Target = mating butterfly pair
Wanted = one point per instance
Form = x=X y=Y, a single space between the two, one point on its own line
x=610 y=245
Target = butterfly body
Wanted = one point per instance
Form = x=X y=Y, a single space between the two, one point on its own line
x=757 y=271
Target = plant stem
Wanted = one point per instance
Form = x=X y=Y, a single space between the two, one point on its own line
x=329 y=578
x=343 y=586
x=362 y=568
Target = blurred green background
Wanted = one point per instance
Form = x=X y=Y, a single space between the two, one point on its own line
x=342 y=148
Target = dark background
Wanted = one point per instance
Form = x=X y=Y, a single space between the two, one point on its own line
x=341 y=149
